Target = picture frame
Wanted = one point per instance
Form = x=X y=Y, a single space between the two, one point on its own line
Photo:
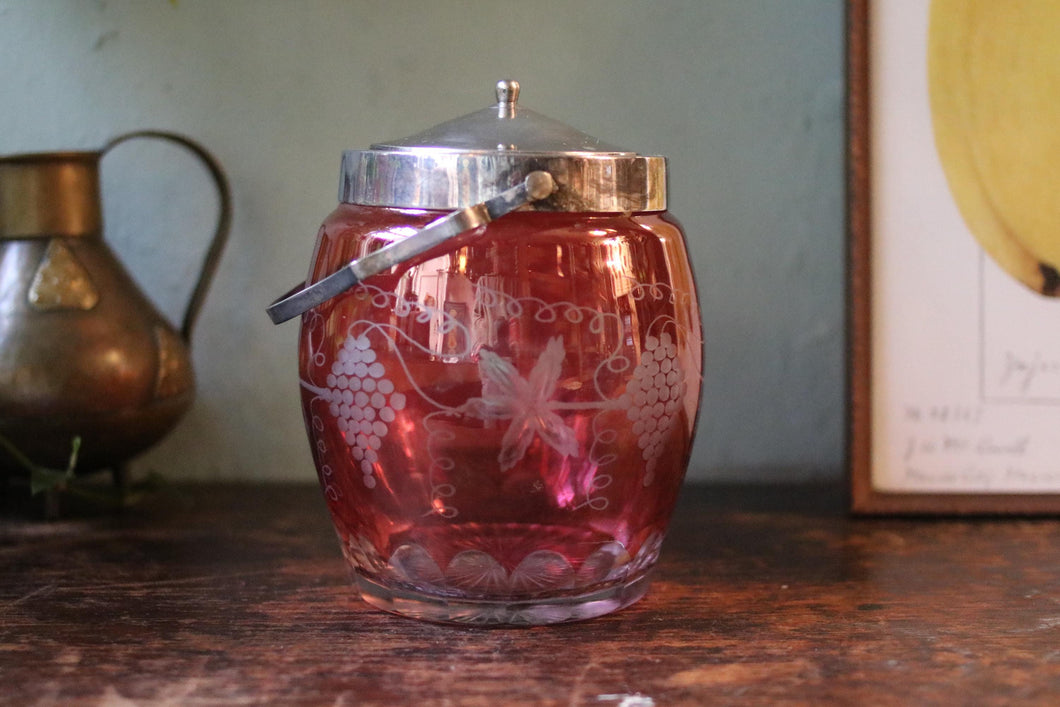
x=932 y=430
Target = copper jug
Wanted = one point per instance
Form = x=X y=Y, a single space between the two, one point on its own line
x=83 y=353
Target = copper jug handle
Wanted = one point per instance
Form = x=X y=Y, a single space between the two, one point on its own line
x=224 y=219
x=300 y=299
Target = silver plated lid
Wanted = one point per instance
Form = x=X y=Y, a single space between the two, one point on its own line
x=470 y=159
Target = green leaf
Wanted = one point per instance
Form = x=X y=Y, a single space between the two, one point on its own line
x=75 y=447
x=41 y=479
x=20 y=458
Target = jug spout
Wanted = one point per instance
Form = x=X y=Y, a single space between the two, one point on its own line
x=50 y=194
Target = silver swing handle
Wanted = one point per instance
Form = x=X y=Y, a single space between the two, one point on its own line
x=300 y=299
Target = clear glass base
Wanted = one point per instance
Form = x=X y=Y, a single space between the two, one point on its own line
x=492 y=612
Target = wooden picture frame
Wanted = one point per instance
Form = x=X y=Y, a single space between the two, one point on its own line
x=965 y=419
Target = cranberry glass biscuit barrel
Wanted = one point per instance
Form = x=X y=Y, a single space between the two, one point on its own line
x=501 y=416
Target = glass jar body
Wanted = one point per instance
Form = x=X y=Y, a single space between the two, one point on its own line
x=501 y=428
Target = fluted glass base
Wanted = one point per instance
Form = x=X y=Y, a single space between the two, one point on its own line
x=492 y=612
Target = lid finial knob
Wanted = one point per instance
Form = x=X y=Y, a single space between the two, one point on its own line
x=508 y=91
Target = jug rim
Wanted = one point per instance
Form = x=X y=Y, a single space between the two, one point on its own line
x=52 y=156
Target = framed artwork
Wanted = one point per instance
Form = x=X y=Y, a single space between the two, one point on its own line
x=954 y=256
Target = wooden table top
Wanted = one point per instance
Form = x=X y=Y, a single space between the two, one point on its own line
x=229 y=595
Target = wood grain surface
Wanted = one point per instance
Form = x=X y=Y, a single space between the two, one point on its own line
x=231 y=595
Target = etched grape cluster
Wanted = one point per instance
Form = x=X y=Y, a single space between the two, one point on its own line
x=653 y=397
x=363 y=401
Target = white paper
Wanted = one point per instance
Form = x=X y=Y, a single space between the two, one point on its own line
x=966 y=361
